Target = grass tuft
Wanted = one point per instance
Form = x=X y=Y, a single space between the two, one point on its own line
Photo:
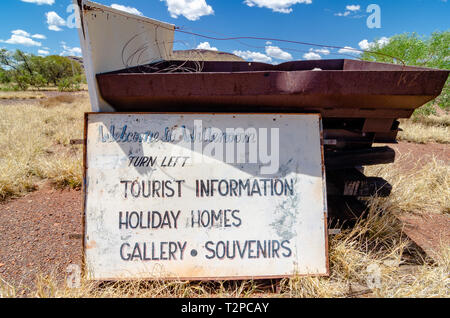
x=21 y=95
x=427 y=129
x=423 y=189
x=35 y=145
x=58 y=100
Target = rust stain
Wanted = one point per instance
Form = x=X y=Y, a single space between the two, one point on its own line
x=91 y=245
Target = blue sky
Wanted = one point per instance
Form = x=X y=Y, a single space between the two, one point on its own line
x=40 y=27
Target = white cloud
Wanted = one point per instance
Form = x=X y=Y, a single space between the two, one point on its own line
x=349 y=50
x=71 y=51
x=384 y=40
x=350 y=9
x=54 y=28
x=253 y=56
x=21 y=40
x=21 y=37
x=28 y=35
x=321 y=51
x=206 y=46
x=126 y=9
x=353 y=7
x=54 y=21
x=190 y=9
x=366 y=45
x=40 y=2
x=315 y=54
x=339 y=14
x=43 y=52
x=277 y=53
x=39 y=36
x=21 y=33
x=282 y=6
x=311 y=56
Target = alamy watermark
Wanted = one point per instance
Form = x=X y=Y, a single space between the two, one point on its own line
x=73 y=20
x=198 y=144
x=374 y=19
x=73 y=276
x=373 y=278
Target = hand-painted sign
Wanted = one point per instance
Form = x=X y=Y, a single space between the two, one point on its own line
x=204 y=196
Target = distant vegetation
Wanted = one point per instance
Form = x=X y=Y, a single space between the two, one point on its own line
x=432 y=51
x=20 y=71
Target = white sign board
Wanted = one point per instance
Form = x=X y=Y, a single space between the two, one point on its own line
x=204 y=196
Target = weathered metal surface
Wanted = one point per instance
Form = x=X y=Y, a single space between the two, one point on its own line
x=270 y=232
x=300 y=85
x=361 y=157
x=353 y=183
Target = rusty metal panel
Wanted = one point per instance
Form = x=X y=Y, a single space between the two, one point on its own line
x=379 y=125
x=294 y=86
x=204 y=196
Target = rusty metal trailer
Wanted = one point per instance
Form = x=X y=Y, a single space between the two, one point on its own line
x=130 y=68
x=360 y=103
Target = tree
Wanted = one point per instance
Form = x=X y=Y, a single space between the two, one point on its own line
x=57 y=68
x=433 y=51
x=8 y=60
x=5 y=77
x=30 y=70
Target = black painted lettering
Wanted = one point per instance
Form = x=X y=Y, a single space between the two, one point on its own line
x=288 y=251
x=125 y=257
x=210 y=250
x=122 y=222
x=126 y=187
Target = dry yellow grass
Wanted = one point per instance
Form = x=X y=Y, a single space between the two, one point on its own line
x=440 y=121
x=422 y=189
x=426 y=129
x=34 y=145
x=21 y=95
x=58 y=100
x=373 y=259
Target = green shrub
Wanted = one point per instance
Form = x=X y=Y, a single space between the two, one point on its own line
x=68 y=85
x=23 y=81
x=444 y=99
x=426 y=110
x=5 y=78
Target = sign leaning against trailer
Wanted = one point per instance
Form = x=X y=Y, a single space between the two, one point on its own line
x=204 y=196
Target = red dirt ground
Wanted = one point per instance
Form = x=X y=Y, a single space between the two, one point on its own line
x=36 y=229
x=420 y=154
x=35 y=234
x=431 y=232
